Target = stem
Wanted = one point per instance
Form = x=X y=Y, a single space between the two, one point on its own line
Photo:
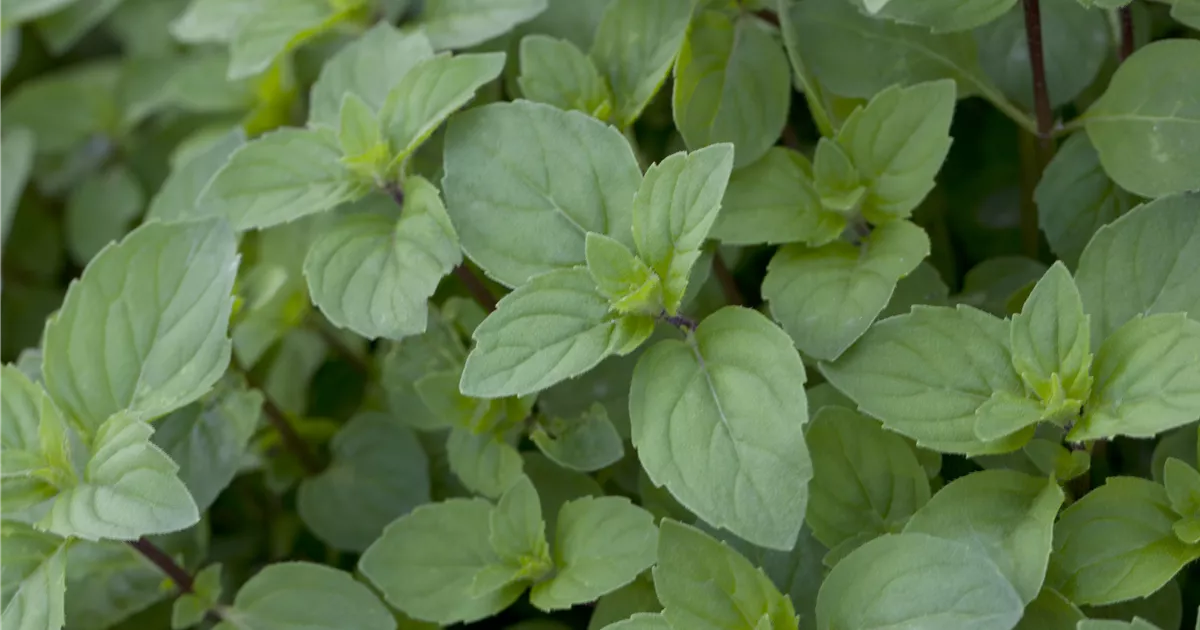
x=679 y=321
x=1125 y=14
x=291 y=439
x=1031 y=172
x=165 y=563
x=728 y=285
x=476 y=287
x=1045 y=123
x=790 y=139
x=339 y=348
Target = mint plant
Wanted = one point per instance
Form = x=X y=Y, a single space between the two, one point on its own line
x=604 y=314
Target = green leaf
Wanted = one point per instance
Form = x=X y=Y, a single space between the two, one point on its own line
x=706 y=585
x=305 y=595
x=826 y=297
x=641 y=621
x=280 y=177
x=437 y=350
x=731 y=85
x=517 y=532
x=898 y=143
x=361 y=139
x=940 y=16
x=484 y=463
x=1050 y=611
x=1147 y=379
x=919 y=581
x=212 y=20
x=635 y=46
x=674 y=209
x=1112 y=624
x=128 y=489
x=377 y=474
x=555 y=327
x=629 y=284
x=369 y=67
x=1182 y=483
x=1004 y=515
x=275 y=27
x=923 y=286
x=179 y=197
x=1051 y=346
x=1145 y=128
x=191 y=608
x=1116 y=543
x=993 y=284
x=18 y=11
x=556 y=72
x=636 y=597
x=837 y=181
x=63 y=29
x=373 y=275
x=426 y=562
x=65 y=108
x=1143 y=263
x=465 y=23
x=556 y=485
x=1075 y=43
x=16 y=163
x=144 y=329
x=193 y=83
x=773 y=201
x=587 y=443
x=34 y=579
x=865 y=480
x=29 y=427
x=526 y=182
x=208 y=438
x=1075 y=198
x=719 y=420
x=431 y=91
x=925 y=374
x=100 y=210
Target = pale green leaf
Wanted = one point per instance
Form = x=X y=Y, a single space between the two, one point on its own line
x=917 y=581
x=274 y=27
x=719 y=420
x=17 y=11
x=373 y=275
x=941 y=16
x=1163 y=608
x=635 y=45
x=526 y=182
x=377 y=473
x=437 y=350
x=1075 y=198
x=626 y=280
x=38 y=452
x=100 y=210
x=923 y=286
x=1116 y=543
x=465 y=23
x=486 y=464
x=212 y=20
x=557 y=485
x=1147 y=379
x=555 y=72
x=1112 y=624
x=290 y=595
x=607 y=383
x=1146 y=126
x=143 y=26
x=439 y=391
x=1006 y=414
x=144 y=328
x=1003 y=515
x=1182 y=483
x=898 y=143
x=360 y=138
x=63 y=29
x=641 y=621
x=586 y=443
x=993 y=284
x=207 y=440
x=16 y=164
x=1051 y=341
x=826 y=297
x=425 y=563
x=280 y=177
x=1143 y=263
x=65 y=108
x=731 y=85
x=179 y=196
x=838 y=182
x=190 y=608
x=706 y=585
x=1050 y=611
x=636 y=597
x=926 y=373
x=431 y=91
x=129 y=489
x=34 y=578
x=517 y=532
x=865 y=480
x=555 y=327
x=193 y=83
x=773 y=201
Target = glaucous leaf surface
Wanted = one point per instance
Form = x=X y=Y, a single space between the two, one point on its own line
x=555 y=72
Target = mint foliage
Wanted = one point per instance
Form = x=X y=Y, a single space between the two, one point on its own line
x=624 y=314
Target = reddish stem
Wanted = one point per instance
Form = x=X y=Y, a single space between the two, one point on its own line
x=1125 y=14
x=728 y=285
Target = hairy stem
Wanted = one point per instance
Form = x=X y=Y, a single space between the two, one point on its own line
x=1045 y=121
x=1125 y=14
x=729 y=287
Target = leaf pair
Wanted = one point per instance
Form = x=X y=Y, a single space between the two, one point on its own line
x=465 y=559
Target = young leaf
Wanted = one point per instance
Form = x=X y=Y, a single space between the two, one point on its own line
x=276 y=27
x=925 y=374
x=369 y=68
x=555 y=72
x=179 y=197
x=837 y=181
x=191 y=608
x=1116 y=543
x=1075 y=198
x=773 y=201
x=1004 y=515
x=706 y=585
x=518 y=533
x=1145 y=127
x=628 y=283
x=34 y=579
x=865 y=480
x=302 y=594
x=526 y=182
x=920 y=581
x=719 y=420
x=731 y=85
x=26 y=475
x=553 y=328
x=465 y=23
x=898 y=142
x=16 y=163
x=1147 y=379
x=426 y=562
x=374 y=275
x=280 y=177
x=940 y=16
x=587 y=443
x=129 y=489
x=826 y=297
x=361 y=139
x=636 y=43
x=1051 y=349
x=1143 y=263
x=377 y=474
x=1182 y=483
x=431 y=91
x=673 y=211
x=100 y=210
x=484 y=463
x=144 y=329
x=438 y=351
